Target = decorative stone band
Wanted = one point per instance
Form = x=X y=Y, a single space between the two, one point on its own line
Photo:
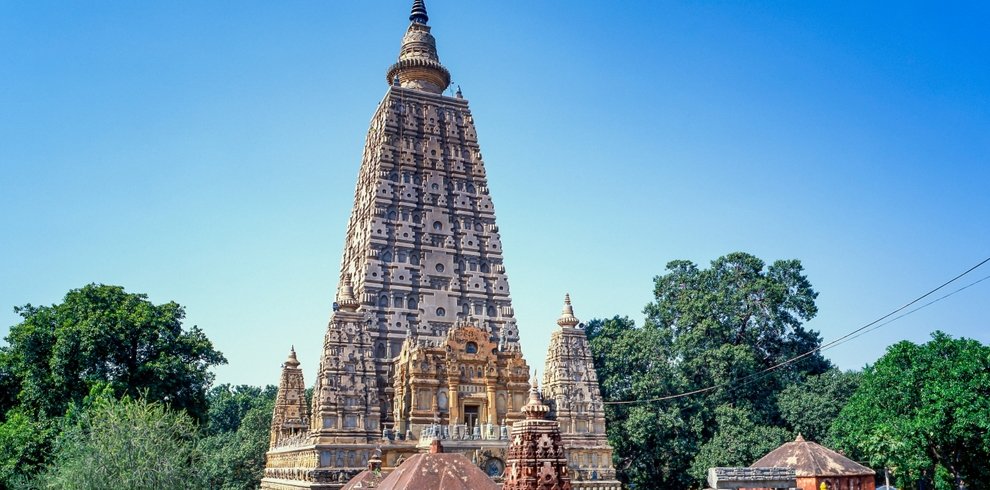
x=732 y=478
x=419 y=69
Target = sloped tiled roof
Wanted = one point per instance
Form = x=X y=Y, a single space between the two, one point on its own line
x=364 y=479
x=811 y=459
x=446 y=471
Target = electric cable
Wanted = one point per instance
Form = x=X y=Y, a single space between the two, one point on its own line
x=847 y=337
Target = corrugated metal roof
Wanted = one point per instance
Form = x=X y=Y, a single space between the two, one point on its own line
x=811 y=459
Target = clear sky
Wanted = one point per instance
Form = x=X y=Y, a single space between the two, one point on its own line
x=206 y=152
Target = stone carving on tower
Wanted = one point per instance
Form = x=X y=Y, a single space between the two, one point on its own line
x=570 y=387
x=290 y=421
x=537 y=459
x=347 y=404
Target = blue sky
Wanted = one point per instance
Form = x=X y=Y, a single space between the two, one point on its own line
x=206 y=152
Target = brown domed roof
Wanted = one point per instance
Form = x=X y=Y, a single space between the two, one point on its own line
x=811 y=459
x=447 y=471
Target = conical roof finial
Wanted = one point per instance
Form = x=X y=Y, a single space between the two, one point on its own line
x=567 y=318
x=345 y=298
x=419 y=13
x=535 y=409
x=292 y=362
x=419 y=67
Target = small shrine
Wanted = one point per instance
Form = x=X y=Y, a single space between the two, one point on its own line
x=536 y=460
x=815 y=465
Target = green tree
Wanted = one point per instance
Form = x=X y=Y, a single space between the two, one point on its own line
x=810 y=407
x=634 y=363
x=717 y=327
x=923 y=411
x=102 y=334
x=739 y=440
x=126 y=443
x=24 y=447
x=238 y=432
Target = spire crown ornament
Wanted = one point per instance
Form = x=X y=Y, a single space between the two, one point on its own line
x=345 y=298
x=419 y=65
x=292 y=361
x=418 y=14
x=535 y=408
x=567 y=318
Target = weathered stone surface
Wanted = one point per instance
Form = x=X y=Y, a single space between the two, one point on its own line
x=570 y=386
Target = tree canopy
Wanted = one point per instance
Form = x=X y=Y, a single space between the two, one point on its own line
x=127 y=444
x=718 y=327
x=811 y=406
x=101 y=334
x=237 y=436
x=923 y=411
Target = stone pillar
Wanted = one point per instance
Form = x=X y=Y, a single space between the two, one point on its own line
x=453 y=404
x=492 y=408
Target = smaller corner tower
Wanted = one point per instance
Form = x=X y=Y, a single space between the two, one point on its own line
x=290 y=420
x=570 y=386
x=346 y=401
x=536 y=458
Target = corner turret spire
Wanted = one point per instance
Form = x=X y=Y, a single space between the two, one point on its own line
x=567 y=318
x=419 y=66
x=345 y=298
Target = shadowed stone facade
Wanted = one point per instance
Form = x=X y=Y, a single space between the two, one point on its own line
x=570 y=387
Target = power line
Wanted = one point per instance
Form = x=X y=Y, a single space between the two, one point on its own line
x=875 y=324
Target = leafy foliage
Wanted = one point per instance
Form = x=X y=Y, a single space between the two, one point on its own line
x=127 y=444
x=923 y=411
x=739 y=440
x=810 y=407
x=240 y=421
x=706 y=327
x=102 y=334
x=24 y=447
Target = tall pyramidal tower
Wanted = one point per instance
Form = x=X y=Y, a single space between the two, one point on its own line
x=422 y=247
x=422 y=268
